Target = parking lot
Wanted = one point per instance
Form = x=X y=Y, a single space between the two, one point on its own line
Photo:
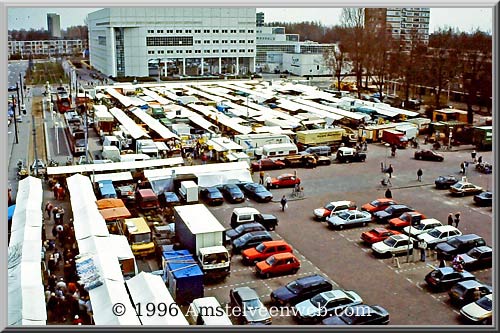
x=343 y=258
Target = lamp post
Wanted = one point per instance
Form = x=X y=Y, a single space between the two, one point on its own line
x=449 y=137
x=387 y=145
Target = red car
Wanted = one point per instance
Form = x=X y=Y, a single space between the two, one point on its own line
x=285 y=180
x=378 y=205
x=267 y=164
x=377 y=235
x=405 y=220
x=264 y=250
x=282 y=263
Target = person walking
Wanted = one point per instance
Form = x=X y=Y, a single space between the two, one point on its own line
x=419 y=175
x=48 y=208
x=261 y=177
x=422 y=245
x=473 y=155
x=283 y=203
x=462 y=168
x=480 y=159
x=450 y=219
x=457 y=219
x=388 y=193
x=268 y=182
x=390 y=170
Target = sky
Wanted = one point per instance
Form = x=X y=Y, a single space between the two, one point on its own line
x=465 y=19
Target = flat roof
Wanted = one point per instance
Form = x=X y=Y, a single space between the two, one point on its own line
x=131 y=126
x=199 y=219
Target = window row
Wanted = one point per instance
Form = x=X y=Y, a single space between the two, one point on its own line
x=198 y=51
x=199 y=31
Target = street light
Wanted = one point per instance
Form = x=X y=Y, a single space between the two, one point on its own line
x=387 y=145
x=449 y=137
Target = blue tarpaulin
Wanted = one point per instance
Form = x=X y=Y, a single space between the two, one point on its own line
x=10 y=211
x=183 y=275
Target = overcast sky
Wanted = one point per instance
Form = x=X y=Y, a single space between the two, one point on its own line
x=465 y=19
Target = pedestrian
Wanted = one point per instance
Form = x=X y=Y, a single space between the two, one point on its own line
x=261 y=176
x=466 y=165
x=419 y=175
x=450 y=219
x=204 y=159
x=457 y=219
x=55 y=210
x=477 y=294
x=61 y=214
x=480 y=159
x=210 y=155
x=462 y=168
x=390 y=170
x=473 y=155
x=422 y=245
x=388 y=193
x=284 y=203
x=268 y=182
x=48 y=208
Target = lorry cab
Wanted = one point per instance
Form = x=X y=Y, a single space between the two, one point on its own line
x=147 y=199
x=243 y=215
x=215 y=259
x=139 y=236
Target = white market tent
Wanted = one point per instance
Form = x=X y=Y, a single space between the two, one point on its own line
x=154 y=124
x=123 y=99
x=146 y=288
x=114 y=177
x=102 y=167
x=26 y=298
x=337 y=111
x=155 y=96
x=134 y=129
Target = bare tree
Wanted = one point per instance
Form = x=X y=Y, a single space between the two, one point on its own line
x=377 y=65
x=334 y=59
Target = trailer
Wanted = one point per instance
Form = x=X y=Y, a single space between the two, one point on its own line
x=198 y=231
x=250 y=142
x=320 y=137
x=395 y=138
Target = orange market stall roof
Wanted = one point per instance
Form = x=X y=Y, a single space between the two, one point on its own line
x=114 y=213
x=109 y=203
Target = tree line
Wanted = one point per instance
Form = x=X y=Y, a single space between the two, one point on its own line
x=73 y=32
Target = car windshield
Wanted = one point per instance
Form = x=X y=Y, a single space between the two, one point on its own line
x=319 y=301
x=270 y=261
x=437 y=274
x=485 y=303
x=474 y=253
x=419 y=226
x=457 y=186
x=245 y=237
x=390 y=210
x=252 y=304
x=344 y=215
x=260 y=248
x=375 y=203
x=329 y=206
x=390 y=241
x=434 y=233
x=240 y=228
x=349 y=317
x=294 y=287
x=454 y=242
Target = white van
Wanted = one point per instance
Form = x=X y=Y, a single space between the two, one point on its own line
x=208 y=311
x=277 y=150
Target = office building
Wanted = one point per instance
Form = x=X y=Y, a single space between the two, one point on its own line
x=54 y=25
x=51 y=47
x=127 y=42
x=259 y=19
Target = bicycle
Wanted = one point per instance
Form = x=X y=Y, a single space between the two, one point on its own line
x=297 y=192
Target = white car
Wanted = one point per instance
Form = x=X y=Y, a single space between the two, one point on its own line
x=320 y=214
x=348 y=218
x=393 y=245
x=424 y=226
x=479 y=311
x=439 y=235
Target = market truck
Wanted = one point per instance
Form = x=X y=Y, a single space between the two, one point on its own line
x=395 y=138
x=482 y=137
x=199 y=232
x=139 y=236
x=320 y=137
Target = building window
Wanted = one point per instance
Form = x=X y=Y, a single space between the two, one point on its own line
x=189 y=51
x=242 y=50
x=197 y=51
x=160 y=52
x=206 y=42
x=159 y=31
x=151 y=31
x=170 y=31
x=197 y=41
x=233 y=41
x=206 y=51
x=101 y=40
x=215 y=42
x=242 y=41
x=233 y=31
x=188 y=31
x=170 y=51
x=233 y=51
x=178 y=31
x=215 y=51
x=224 y=31
x=250 y=31
x=250 y=50
x=250 y=41
x=169 y=41
x=224 y=41
x=242 y=31
x=224 y=51
x=206 y=31
x=216 y=31
x=178 y=51
x=151 y=52
x=197 y=31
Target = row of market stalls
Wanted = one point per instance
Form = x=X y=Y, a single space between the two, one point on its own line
x=26 y=297
x=98 y=266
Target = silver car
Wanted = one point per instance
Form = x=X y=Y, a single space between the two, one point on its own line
x=325 y=304
x=349 y=218
x=249 y=307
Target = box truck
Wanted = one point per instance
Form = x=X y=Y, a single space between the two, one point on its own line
x=320 y=137
x=395 y=138
x=198 y=231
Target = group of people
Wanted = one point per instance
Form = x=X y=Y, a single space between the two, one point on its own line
x=267 y=181
x=455 y=220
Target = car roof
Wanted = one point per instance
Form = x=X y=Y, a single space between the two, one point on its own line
x=399 y=237
x=259 y=233
x=283 y=255
x=429 y=221
x=470 y=284
x=449 y=270
x=380 y=230
x=484 y=248
x=275 y=243
x=246 y=293
x=245 y=210
x=398 y=206
x=383 y=200
x=443 y=228
x=310 y=279
x=340 y=203
x=286 y=175
x=334 y=294
x=467 y=237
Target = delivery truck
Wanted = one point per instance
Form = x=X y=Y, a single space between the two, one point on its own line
x=320 y=137
x=409 y=130
x=395 y=138
x=199 y=232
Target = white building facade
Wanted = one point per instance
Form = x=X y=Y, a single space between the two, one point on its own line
x=45 y=47
x=177 y=41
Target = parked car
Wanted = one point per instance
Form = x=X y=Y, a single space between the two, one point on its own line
x=484 y=167
x=360 y=315
x=390 y=212
x=458 y=245
x=212 y=196
x=257 y=192
x=285 y=180
x=250 y=239
x=243 y=215
x=278 y=264
x=480 y=311
x=423 y=227
x=439 y=235
x=429 y=155
x=484 y=198
x=377 y=235
x=321 y=214
x=393 y=245
x=319 y=150
x=301 y=289
x=245 y=298
x=325 y=304
x=269 y=221
x=378 y=205
x=444 y=278
x=232 y=193
x=346 y=155
x=478 y=257
x=405 y=220
x=265 y=250
x=348 y=218
x=444 y=182
x=463 y=292
x=232 y=234
x=465 y=188
x=267 y=164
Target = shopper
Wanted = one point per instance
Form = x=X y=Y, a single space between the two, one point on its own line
x=419 y=175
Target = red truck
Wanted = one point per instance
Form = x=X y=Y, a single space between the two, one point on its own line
x=395 y=138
